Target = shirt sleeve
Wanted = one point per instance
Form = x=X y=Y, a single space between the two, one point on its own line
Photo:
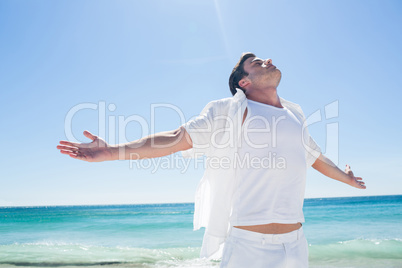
x=200 y=131
x=313 y=151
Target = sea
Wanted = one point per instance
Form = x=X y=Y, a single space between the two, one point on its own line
x=341 y=232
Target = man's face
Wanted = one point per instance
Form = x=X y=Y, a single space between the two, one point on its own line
x=262 y=72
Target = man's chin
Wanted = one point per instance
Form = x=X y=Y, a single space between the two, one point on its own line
x=276 y=71
x=277 y=75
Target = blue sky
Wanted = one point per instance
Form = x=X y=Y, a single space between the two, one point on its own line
x=55 y=55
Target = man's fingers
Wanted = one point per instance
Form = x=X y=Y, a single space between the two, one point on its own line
x=359 y=181
x=68 y=143
x=89 y=135
x=360 y=184
x=70 y=148
x=347 y=168
x=72 y=152
x=65 y=152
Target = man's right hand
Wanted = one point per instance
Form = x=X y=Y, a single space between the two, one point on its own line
x=96 y=151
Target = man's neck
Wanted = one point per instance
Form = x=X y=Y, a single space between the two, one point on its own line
x=269 y=97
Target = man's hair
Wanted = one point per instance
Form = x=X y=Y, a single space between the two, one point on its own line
x=238 y=73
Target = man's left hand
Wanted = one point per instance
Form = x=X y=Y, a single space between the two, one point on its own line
x=354 y=181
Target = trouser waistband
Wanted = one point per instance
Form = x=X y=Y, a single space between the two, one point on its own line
x=267 y=238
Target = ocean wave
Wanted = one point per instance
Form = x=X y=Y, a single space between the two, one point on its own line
x=353 y=253
x=368 y=248
x=45 y=254
x=357 y=253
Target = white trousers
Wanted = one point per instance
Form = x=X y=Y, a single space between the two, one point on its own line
x=245 y=249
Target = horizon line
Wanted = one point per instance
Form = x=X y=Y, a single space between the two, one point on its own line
x=136 y=204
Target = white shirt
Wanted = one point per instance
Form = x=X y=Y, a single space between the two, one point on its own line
x=271 y=168
x=216 y=133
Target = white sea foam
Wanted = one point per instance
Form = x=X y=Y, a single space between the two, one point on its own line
x=353 y=253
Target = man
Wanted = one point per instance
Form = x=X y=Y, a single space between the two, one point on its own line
x=257 y=149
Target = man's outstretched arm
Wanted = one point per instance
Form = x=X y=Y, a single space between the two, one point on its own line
x=155 y=145
x=329 y=169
